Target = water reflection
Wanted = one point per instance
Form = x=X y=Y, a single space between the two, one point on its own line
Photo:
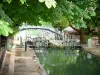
x=70 y=62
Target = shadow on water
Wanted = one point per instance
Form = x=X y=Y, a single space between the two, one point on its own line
x=68 y=61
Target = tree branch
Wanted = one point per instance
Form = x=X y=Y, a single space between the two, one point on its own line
x=74 y=27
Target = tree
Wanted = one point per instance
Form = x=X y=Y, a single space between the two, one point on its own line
x=75 y=12
x=22 y=12
x=61 y=24
x=94 y=22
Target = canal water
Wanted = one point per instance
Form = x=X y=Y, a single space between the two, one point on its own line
x=68 y=61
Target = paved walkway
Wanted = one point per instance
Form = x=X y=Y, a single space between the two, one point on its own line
x=22 y=63
x=94 y=50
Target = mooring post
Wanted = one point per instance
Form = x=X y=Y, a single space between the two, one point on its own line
x=25 y=46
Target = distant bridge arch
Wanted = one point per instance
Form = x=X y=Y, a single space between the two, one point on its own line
x=46 y=29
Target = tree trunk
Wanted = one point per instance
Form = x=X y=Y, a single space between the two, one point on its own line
x=82 y=39
x=56 y=36
x=81 y=33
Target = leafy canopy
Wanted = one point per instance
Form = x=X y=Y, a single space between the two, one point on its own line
x=54 y=11
x=13 y=18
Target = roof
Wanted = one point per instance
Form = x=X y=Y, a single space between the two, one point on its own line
x=70 y=30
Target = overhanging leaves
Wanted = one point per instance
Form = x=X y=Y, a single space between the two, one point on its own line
x=22 y=1
x=4 y=28
x=9 y=1
x=4 y=16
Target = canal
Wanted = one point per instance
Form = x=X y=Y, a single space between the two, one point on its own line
x=68 y=61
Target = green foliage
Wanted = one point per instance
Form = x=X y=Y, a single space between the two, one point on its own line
x=93 y=24
x=15 y=13
x=61 y=24
x=33 y=11
x=23 y=13
x=22 y=1
x=69 y=9
x=49 y=3
x=4 y=23
x=4 y=28
x=9 y=1
x=78 y=14
x=74 y=12
x=4 y=16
